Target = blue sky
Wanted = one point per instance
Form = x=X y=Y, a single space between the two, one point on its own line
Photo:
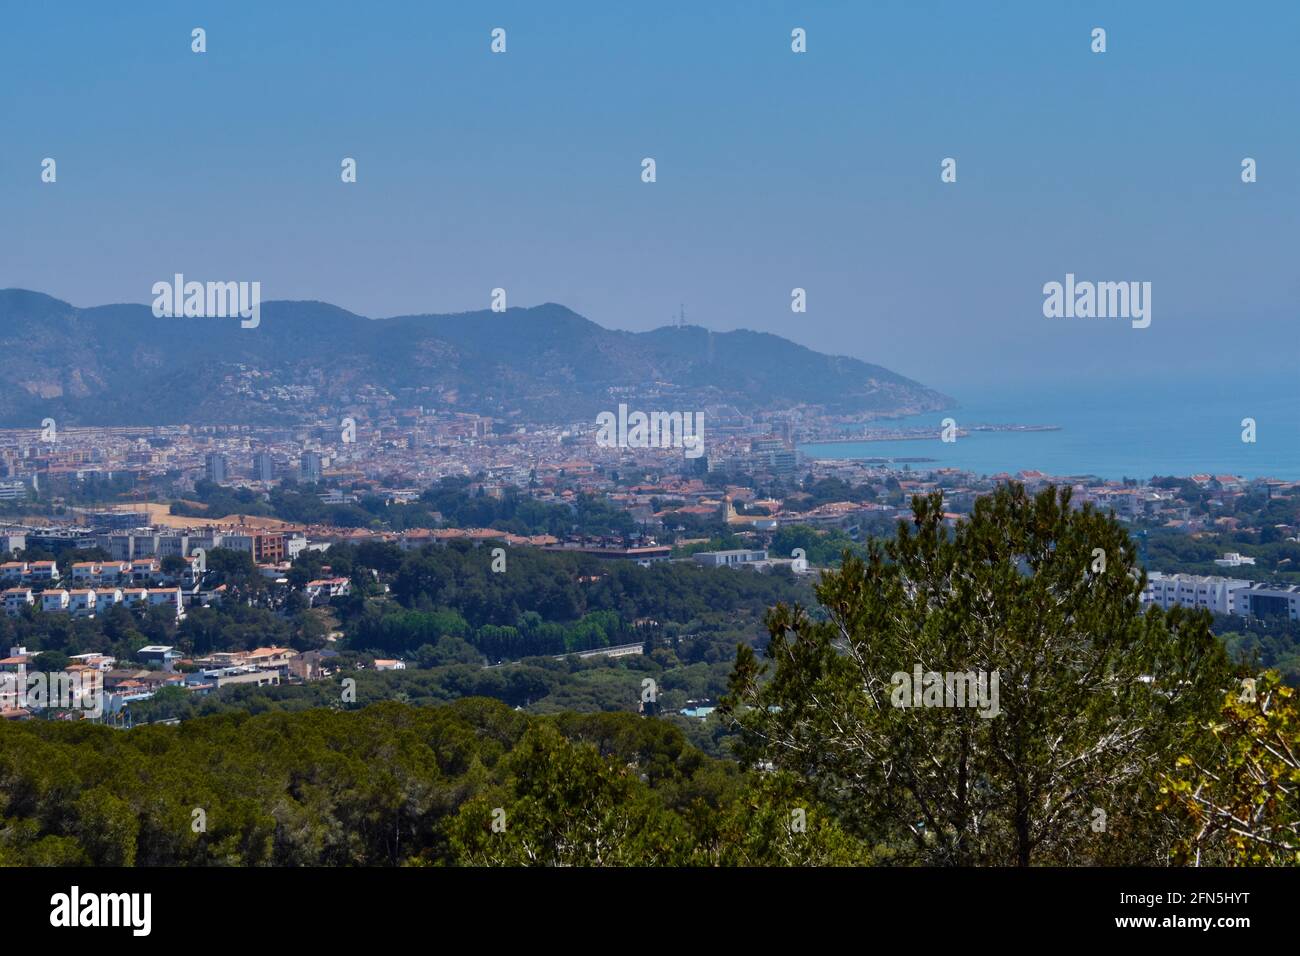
x=775 y=170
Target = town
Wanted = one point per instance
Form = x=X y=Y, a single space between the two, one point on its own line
x=131 y=518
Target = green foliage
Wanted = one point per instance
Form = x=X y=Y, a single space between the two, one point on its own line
x=70 y=555
x=229 y=627
x=821 y=548
x=449 y=502
x=387 y=785
x=563 y=804
x=1260 y=643
x=1262 y=534
x=551 y=603
x=1093 y=694
x=48 y=662
x=212 y=500
x=1241 y=796
x=829 y=490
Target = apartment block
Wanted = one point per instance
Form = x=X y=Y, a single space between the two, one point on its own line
x=16 y=599
x=1215 y=594
x=1262 y=600
x=55 y=601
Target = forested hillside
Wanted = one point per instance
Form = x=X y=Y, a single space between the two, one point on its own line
x=394 y=785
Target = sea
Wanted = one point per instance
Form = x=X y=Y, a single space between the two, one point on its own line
x=1111 y=432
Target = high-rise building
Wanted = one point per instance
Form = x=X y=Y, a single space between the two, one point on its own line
x=268 y=548
x=263 y=467
x=773 y=455
x=785 y=464
x=311 y=466
x=216 y=467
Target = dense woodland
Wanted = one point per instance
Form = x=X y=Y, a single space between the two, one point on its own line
x=395 y=785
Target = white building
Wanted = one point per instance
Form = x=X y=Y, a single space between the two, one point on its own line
x=93 y=573
x=81 y=602
x=146 y=570
x=100 y=662
x=106 y=598
x=326 y=588
x=16 y=599
x=54 y=600
x=169 y=598
x=729 y=559
x=238 y=542
x=11 y=490
x=1262 y=600
x=1215 y=594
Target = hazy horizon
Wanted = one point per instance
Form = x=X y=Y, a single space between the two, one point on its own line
x=774 y=171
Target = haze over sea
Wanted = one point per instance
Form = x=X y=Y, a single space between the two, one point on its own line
x=1113 y=432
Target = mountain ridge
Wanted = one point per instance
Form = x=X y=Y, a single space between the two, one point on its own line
x=118 y=364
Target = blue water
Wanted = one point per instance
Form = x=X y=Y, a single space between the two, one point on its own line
x=1110 y=432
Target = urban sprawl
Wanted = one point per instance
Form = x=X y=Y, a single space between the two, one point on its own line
x=749 y=480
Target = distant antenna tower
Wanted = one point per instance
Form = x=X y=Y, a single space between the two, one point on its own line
x=681 y=316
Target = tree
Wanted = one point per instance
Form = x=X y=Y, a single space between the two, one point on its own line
x=772 y=822
x=1242 y=799
x=72 y=555
x=566 y=805
x=313 y=631
x=50 y=661
x=1084 y=697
